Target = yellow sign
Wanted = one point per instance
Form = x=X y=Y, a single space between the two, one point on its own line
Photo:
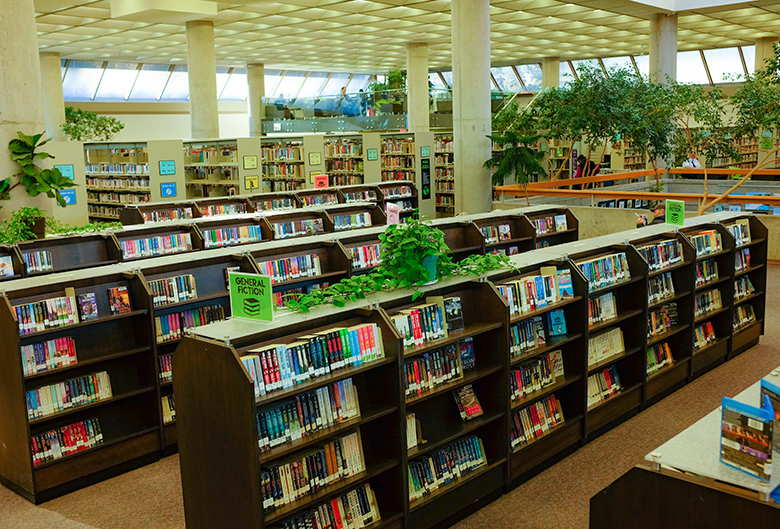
x=252 y=182
x=250 y=161
x=312 y=174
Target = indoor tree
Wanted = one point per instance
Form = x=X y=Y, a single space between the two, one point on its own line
x=82 y=125
x=517 y=158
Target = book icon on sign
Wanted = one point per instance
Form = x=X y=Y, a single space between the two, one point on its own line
x=252 y=306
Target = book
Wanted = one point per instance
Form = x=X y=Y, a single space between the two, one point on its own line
x=603 y=385
x=430 y=370
x=662 y=254
x=166 y=368
x=742 y=259
x=703 y=336
x=88 y=308
x=467 y=357
x=467 y=401
x=48 y=355
x=560 y=223
x=660 y=287
x=535 y=421
x=47 y=313
x=436 y=469
x=38 y=261
x=291 y=268
x=6 y=266
x=173 y=289
x=52 y=399
x=744 y=316
x=605 y=345
x=421 y=324
x=743 y=287
x=769 y=389
x=222 y=209
x=364 y=257
x=707 y=302
x=119 y=300
x=534 y=375
x=227 y=275
x=504 y=232
x=168 y=409
x=454 y=314
x=565 y=287
x=659 y=355
x=173 y=326
x=706 y=271
x=556 y=320
x=746 y=437
x=218 y=237
x=354 y=509
x=602 y=308
x=526 y=335
x=155 y=246
x=606 y=270
x=66 y=440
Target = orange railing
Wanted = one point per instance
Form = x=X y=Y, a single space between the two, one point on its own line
x=552 y=188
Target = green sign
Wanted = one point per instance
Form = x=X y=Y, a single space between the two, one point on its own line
x=251 y=296
x=675 y=212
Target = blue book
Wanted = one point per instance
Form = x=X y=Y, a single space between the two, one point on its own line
x=746 y=437
x=771 y=391
x=556 y=320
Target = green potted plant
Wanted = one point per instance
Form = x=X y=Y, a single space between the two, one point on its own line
x=415 y=252
x=24 y=151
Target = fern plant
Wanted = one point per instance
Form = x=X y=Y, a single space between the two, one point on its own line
x=516 y=158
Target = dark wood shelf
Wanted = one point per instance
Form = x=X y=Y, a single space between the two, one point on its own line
x=455 y=483
x=553 y=234
x=670 y=331
x=552 y=344
x=713 y=254
x=547 y=308
x=86 y=323
x=617 y=396
x=669 y=300
x=609 y=323
x=83 y=363
x=660 y=271
x=79 y=266
x=751 y=297
x=330 y=490
x=326 y=275
x=509 y=241
x=751 y=243
x=468 y=377
x=465 y=249
x=710 y=314
x=710 y=346
x=546 y=435
x=207 y=297
x=607 y=288
x=611 y=360
x=369 y=414
x=747 y=270
x=746 y=327
x=458 y=430
x=312 y=383
x=560 y=382
x=712 y=283
x=92 y=405
x=472 y=330
x=106 y=444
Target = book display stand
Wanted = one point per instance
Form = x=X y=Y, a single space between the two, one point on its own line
x=551 y=227
x=321 y=197
x=62 y=254
x=403 y=194
x=509 y=234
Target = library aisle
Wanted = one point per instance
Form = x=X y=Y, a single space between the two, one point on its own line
x=150 y=497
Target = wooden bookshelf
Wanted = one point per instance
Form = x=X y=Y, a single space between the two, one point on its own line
x=712 y=354
x=366 y=250
x=321 y=197
x=229 y=231
x=158 y=212
x=282 y=201
x=510 y=234
x=211 y=168
x=398 y=157
x=361 y=193
x=669 y=285
x=215 y=207
x=401 y=193
x=551 y=235
x=117 y=174
x=72 y=252
x=209 y=275
x=120 y=345
x=169 y=239
x=234 y=460
x=462 y=237
x=344 y=160
x=353 y=217
x=444 y=174
x=283 y=165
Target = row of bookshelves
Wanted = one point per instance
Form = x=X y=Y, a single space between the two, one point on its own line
x=121 y=324
x=477 y=385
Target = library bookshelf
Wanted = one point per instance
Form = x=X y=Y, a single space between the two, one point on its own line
x=344 y=160
x=211 y=168
x=463 y=237
x=283 y=164
x=158 y=212
x=717 y=324
x=208 y=290
x=322 y=197
x=401 y=193
x=235 y=462
x=63 y=254
x=361 y=193
x=123 y=430
x=510 y=234
x=229 y=231
x=444 y=174
x=116 y=174
x=550 y=228
x=398 y=157
x=281 y=201
x=143 y=242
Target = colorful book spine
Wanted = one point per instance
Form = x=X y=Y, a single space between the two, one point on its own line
x=703 y=336
x=222 y=209
x=166 y=214
x=48 y=355
x=352 y=221
x=742 y=259
x=526 y=336
x=166 y=368
x=173 y=289
x=46 y=314
x=535 y=420
x=606 y=271
x=230 y=236
x=435 y=470
x=281 y=297
x=291 y=268
x=743 y=288
x=173 y=326
x=168 y=409
x=427 y=371
x=397 y=192
x=659 y=355
x=280 y=366
x=305 y=473
x=277 y=204
x=660 y=287
x=531 y=377
x=707 y=302
x=38 y=261
x=706 y=271
x=603 y=385
x=154 y=246
x=420 y=325
x=298 y=228
x=662 y=254
x=360 y=196
x=353 y=510
x=66 y=440
x=706 y=242
x=55 y=398
x=744 y=316
x=307 y=413
x=364 y=257
x=320 y=200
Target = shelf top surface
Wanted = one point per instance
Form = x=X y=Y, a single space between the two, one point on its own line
x=697 y=448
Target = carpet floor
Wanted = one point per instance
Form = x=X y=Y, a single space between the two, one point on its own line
x=150 y=497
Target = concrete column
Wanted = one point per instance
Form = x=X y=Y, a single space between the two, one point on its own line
x=764 y=50
x=53 y=102
x=255 y=79
x=471 y=104
x=551 y=71
x=663 y=47
x=202 y=76
x=418 y=114
x=20 y=92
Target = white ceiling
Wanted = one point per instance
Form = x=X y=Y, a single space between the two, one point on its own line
x=371 y=35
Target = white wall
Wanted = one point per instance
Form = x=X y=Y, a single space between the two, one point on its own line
x=144 y=127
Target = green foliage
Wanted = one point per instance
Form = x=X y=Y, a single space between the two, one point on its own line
x=19 y=227
x=517 y=158
x=391 y=91
x=756 y=100
x=81 y=125
x=404 y=247
x=36 y=180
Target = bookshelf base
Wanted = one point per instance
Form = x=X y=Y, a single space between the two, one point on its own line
x=708 y=358
x=531 y=456
x=614 y=410
x=746 y=338
x=667 y=380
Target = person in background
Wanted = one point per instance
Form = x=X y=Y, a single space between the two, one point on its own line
x=659 y=216
x=585 y=167
x=692 y=162
x=363 y=100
